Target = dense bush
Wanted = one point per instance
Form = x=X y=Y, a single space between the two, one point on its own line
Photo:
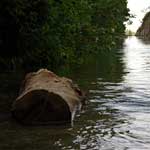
x=51 y=32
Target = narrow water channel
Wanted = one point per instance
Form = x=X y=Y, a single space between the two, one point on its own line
x=117 y=113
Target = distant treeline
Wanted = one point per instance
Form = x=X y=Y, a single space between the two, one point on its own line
x=37 y=33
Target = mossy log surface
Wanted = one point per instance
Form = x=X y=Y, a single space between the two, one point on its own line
x=46 y=98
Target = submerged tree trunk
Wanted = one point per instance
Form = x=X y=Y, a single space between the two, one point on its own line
x=46 y=98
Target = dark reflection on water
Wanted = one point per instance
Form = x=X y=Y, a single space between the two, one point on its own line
x=117 y=114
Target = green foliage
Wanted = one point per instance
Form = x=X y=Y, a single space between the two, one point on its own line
x=53 y=32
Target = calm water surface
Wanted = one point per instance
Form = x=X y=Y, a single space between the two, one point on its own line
x=117 y=113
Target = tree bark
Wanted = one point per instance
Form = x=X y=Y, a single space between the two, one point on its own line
x=46 y=98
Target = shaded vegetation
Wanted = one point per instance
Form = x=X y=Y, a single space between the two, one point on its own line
x=144 y=29
x=52 y=32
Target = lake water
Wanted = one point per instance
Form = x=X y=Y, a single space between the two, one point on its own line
x=117 y=113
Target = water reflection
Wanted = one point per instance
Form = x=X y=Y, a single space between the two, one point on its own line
x=116 y=116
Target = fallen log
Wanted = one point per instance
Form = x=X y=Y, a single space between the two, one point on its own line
x=46 y=98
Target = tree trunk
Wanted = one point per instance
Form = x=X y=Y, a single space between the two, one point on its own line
x=46 y=98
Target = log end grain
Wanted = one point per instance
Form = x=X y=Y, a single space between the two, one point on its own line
x=41 y=107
